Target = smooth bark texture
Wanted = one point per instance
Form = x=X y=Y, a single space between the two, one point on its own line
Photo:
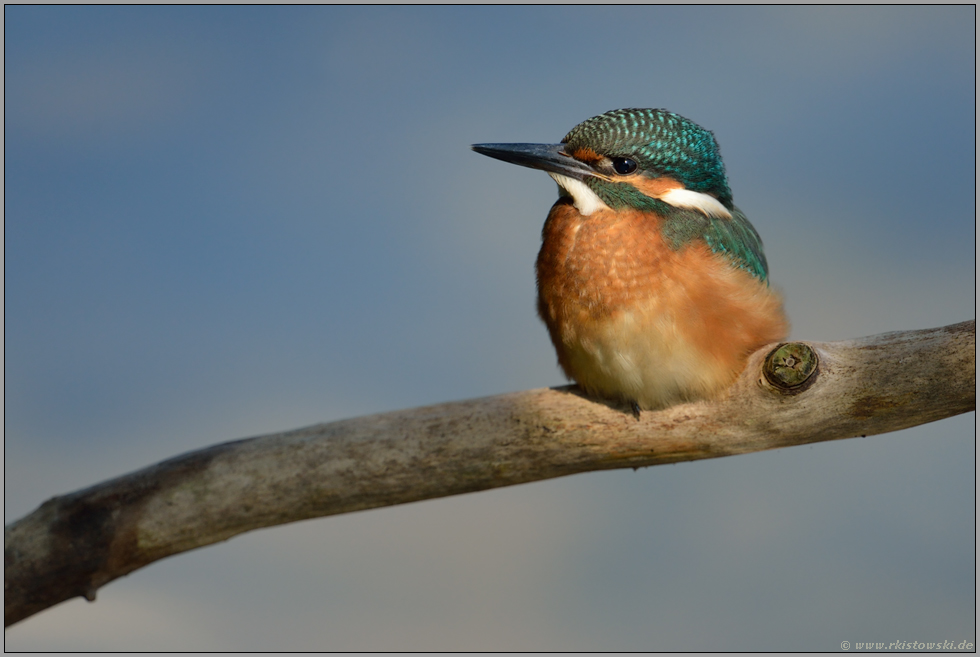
x=76 y=543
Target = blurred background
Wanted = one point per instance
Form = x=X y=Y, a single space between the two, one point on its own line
x=224 y=222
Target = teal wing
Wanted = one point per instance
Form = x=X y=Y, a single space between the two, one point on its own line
x=735 y=237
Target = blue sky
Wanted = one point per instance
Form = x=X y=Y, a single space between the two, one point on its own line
x=223 y=222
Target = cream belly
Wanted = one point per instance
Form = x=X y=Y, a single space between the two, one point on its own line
x=641 y=355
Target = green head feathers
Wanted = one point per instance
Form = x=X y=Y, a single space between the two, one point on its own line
x=662 y=143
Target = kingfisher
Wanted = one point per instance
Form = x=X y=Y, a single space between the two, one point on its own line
x=653 y=286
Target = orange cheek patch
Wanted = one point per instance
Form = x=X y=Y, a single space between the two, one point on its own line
x=653 y=187
x=586 y=155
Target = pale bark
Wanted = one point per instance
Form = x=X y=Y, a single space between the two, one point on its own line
x=76 y=543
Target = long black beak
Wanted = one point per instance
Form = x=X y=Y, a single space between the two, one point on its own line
x=547 y=157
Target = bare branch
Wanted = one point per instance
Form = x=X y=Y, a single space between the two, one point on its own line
x=801 y=393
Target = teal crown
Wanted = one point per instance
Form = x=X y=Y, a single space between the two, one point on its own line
x=662 y=143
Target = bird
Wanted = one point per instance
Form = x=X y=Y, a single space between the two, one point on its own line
x=653 y=285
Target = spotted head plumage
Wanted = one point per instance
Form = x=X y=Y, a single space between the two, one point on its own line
x=661 y=143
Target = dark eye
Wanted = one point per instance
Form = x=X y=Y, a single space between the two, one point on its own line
x=623 y=165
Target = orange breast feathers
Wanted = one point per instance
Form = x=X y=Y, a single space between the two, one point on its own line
x=634 y=319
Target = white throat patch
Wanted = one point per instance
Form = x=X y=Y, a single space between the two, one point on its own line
x=586 y=201
x=685 y=198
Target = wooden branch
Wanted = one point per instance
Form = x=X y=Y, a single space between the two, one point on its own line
x=797 y=394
